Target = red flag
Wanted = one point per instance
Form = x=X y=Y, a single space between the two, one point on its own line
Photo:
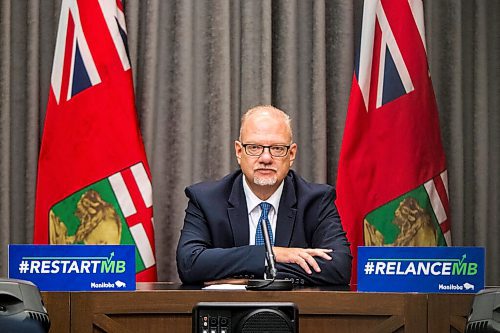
x=94 y=181
x=392 y=178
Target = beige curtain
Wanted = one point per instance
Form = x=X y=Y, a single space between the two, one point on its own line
x=198 y=65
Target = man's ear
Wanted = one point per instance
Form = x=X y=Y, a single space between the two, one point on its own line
x=292 y=152
x=238 y=149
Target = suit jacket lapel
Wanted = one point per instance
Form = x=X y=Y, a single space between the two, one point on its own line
x=238 y=213
x=286 y=213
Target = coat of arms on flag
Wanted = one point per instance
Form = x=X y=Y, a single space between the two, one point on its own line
x=417 y=218
x=94 y=181
x=392 y=184
x=108 y=212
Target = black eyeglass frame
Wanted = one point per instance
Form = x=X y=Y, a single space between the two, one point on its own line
x=245 y=145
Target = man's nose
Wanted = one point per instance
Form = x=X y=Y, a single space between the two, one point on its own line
x=266 y=155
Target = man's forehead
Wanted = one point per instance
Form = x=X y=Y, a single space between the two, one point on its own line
x=265 y=121
x=273 y=132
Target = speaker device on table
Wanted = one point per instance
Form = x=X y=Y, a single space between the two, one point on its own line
x=245 y=317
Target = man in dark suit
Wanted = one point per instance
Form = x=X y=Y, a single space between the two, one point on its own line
x=222 y=237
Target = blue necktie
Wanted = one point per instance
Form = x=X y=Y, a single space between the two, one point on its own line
x=259 y=237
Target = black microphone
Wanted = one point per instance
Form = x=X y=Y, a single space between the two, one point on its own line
x=269 y=283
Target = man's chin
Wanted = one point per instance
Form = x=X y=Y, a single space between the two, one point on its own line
x=264 y=181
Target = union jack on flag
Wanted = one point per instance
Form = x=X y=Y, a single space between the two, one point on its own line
x=392 y=180
x=379 y=59
x=94 y=181
x=72 y=51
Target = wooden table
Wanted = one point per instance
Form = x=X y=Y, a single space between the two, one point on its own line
x=164 y=307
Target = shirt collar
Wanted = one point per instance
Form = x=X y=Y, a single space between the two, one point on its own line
x=253 y=201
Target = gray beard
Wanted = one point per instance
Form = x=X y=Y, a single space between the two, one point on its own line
x=265 y=181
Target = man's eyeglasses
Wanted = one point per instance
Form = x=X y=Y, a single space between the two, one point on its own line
x=257 y=150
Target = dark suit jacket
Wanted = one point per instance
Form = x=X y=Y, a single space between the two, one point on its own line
x=214 y=240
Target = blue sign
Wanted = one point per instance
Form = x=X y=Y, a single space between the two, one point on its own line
x=421 y=269
x=74 y=267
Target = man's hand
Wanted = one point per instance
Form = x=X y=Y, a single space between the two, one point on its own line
x=302 y=257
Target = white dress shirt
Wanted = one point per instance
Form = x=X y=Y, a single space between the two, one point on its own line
x=254 y=209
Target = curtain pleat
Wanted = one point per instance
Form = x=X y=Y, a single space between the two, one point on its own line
x=32 y=95
x=339 y=48
x=5 y=132
x=492 y=223
x=199 y=65
x=253 y=45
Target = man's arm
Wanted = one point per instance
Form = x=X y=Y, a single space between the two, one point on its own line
x=328 y=235
x=197 y=258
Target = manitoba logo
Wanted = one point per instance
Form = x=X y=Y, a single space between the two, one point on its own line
x=114 y=210
x=417 y=218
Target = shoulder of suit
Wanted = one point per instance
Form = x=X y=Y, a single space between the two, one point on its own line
x=300 y=182
x=222 y=185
